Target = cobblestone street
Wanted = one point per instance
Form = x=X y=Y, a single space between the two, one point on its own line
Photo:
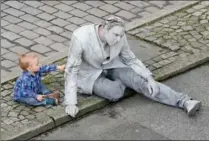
x=45 y=28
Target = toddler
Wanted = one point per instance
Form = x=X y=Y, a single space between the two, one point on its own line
x=28 y=87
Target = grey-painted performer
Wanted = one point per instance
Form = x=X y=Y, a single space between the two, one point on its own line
x=100 y=62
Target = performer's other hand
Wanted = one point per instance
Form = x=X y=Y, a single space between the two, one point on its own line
x=71 y=110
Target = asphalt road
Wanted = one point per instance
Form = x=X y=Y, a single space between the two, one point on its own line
x=138 y=118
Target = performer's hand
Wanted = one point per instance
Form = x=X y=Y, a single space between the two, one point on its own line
x=153 y=87
x=71 y=110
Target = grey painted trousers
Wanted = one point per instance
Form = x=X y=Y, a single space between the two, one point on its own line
x=112 y=86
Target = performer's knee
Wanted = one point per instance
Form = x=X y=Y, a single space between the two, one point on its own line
x=117 y=92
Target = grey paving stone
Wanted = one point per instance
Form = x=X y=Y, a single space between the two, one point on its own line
x=95 y=3
x=60 y=22
x=55 y=29
x=152 y=9
x=71 y=27
x=198 y=13
x=108 y=16
x=67 y=34
x=50 y=53
x=140 y=4
x=46 y=16
x=42 y=31
x=30 y=116
x=25 y=121
x=64 y=7
x=4 y=23
x=39 y=55
x=203 y=21
x=2 y=30
x=57 y=38
x=14 y=28
x=43 y=23
x=50 y=2
x=3 y=73
x=124 y=5
x=27 y=25
x=48 y=9
x=19 y=50
x=33 y=3
x=31 y=10
x=29 y=18
x=11 y=56
x=125 y=14
x=40 y=48
x=25 y=42
x=86 y=23
x=44 y=41
x=3 y=6
x=21 y=117
x=7 y=64
x=14 y=12
x=93 y=19
x=3 y=14
x=62 y=15
x=15 y=4
x=97 y=12
x=8 y=121
x=3 y=51
x=12 y=19
x=29 y=34
x=78 y=13
x=81 y=6
x=13 y=114
x=5 y=92
x=199 y=6
x=144 y=14
x=10 y=35
x=6 y=44
x=39 y=109
x=24 y=113
x=111 y=1
x=69 y=2
x=58 y=46
x=158 y=3
x=109 y=8
x=8 y=86
x=205 y=3
x=76 y=20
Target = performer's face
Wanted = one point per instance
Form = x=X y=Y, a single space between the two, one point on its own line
x=114 y=35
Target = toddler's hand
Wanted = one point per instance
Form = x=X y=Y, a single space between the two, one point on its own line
x=40 y=97
x=61 y=67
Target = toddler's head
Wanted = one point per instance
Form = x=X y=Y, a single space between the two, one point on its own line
x=29 y=62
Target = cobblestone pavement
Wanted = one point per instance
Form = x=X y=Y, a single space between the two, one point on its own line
x=191 y=25
x=184 y=33
x=45 y=27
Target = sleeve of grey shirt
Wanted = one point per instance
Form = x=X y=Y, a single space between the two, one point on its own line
x=131 y=60
x=71 y=71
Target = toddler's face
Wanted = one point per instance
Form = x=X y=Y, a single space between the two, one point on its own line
x=33 y=63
